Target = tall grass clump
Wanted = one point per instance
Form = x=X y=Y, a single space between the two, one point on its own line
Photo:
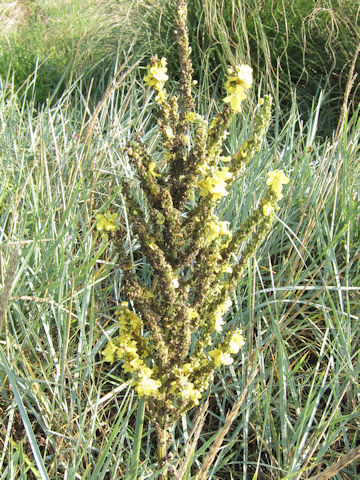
x=293 y=46
x=54 y=403
x=58 y=42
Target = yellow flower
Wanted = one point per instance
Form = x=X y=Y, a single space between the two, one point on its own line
x=224 y=174
x=109 y=352
x=215 y=185
x=147 y=386
x=192 y=117
x=159 y=70
x=152 y=173
x=186 y=390
x=239 y=80
x=216 y=188
x=227 y=304
x=215 y=228
x=268 y=209
x=134 y=322
x=235 y=101
x=195 y=396
x=242 y=74
x=129 y=322
x=156 y=75
x=220 y=358
x=169 y=133
x=236 y=342
x=224 y=228
x=127 y=346
x=203 y=169
x=219 y=314
x=134 y=365
x=276 y=179
x=106 y=222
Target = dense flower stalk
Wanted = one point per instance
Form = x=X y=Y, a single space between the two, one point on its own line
x=172 y=329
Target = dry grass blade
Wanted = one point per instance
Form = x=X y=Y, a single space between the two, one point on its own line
x=199 y=423
x=349 y=86
x=13 y=15
x=230 y=417
x=112 y=87
x=7 y=288
x=312 y=451
x=335 y=468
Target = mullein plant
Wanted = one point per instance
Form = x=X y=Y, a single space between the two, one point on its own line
x=172 y=332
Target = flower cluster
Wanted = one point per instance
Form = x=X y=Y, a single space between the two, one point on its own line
x=190 y=380
x=215 y=184
x=276 y=179
x=238 y=82
x=106 y=222
x=156 y=78
x=215 y=229
x=222 y=356
x=127 y=347
x=171 y=310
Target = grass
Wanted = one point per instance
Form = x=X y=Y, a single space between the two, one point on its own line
x=60 y=41
x=298 y=304
x=66 y=414
x=296 y=47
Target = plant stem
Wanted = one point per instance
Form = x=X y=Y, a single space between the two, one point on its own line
x=162 y=449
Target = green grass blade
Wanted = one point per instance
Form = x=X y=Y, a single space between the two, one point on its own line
x=26 y=421
x=137 y=439
x=105 y=458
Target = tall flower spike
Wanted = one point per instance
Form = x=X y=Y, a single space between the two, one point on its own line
x=194 y=261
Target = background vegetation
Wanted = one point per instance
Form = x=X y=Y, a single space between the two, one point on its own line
x=295 y=47
x=63 y=412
